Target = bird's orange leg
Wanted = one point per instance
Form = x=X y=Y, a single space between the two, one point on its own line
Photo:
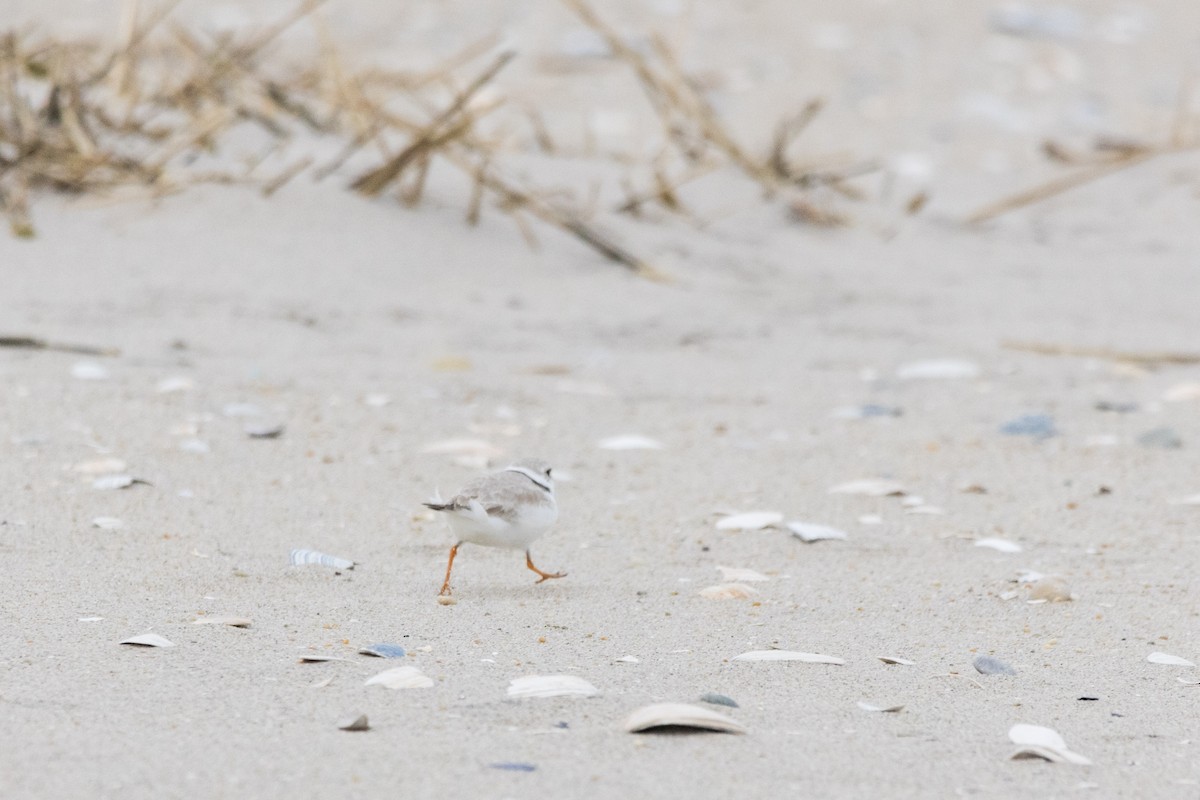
x=545 y=575
x=445 y=592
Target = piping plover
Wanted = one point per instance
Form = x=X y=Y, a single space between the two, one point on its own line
x=510 y=508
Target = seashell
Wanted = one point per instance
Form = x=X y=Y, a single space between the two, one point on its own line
x=263 y=430
x=718 y=699
x=301 y=557
x=631 y=441
x=1190 y=500
x=935 y=368
x=314 y=658
x=148 y=640
x=113 y=482
x=89 y=371
x=1035 y=741
x=1183 y=392
x=175 y=383
x=1184 y=681
x=870 y=519
x=196 y=446
x=1050 y=589
x=241 y=410
x=727 y=591
x=749 y=521
x=108 y=523
x=986 y=665
x=1169 y=660
x=401 y=678
x=808 y=532
x=550 y=686
x=218 y=619
x=870 y=487
x=680 y=715
x=383 y=650
x=788 y=655
x=1003 y=545
x=741 y=575
x=514 y=766
x=904 y=662
x=354 y=722
x=628 y=660
x=881 y=709
x=376 y=399
x=100 y=466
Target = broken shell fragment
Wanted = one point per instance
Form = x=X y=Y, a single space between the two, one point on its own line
x=987 y=665
x=870 y=487
x=718 y=699
x=1169 y=660
x=904 y=662
x=808 y=532
x=741 y=575
x=263 y=430
x=383 y=650
x=112 y=482
x=935 y=368
x=302 y=557
x=788 y=655
x=1035 y=741
x=550 y=686
x=727 y=591
x=680 y=715
x=148 y=640
x=354 y=722
x=218 y=619
x=1002 y=545
x=401 y=678
x=108 y=523
x=882 y=709
x=749 y=521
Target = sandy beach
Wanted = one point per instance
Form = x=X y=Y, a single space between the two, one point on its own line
x=1009 y=378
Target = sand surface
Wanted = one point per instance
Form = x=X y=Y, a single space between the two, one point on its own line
x=372 y=331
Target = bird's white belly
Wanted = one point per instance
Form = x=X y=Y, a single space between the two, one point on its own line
x=475 y=526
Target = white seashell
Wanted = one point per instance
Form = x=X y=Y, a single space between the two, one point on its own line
x=196 y=446
x=100 y=466
x=148 y=640
x=1184 y=681
x=263 y=430
x=904 y=662
x=808 y=532
x=1190 y=500
x=301 y=557
x=401 y=678
x=741 y=575
x=1003 y=545
x=871 y=487
x=108 y=523
x=1183 y=392
x=175 y=383
x=89 y=371
x=1035 y=741
x=550 y=686
x=112 y=482
x=1050 y=589
x=788 y=655
x=881 y=709
x=376 y=400
x=1169 y=660
x=749 y=521
x=727 y=591
x=629 y=442
x=680 y=715
x=870 y=519
x=912 y=501
x=938 y=368
x=218 y=619
x=241 y=410
x=354 y=722
x=313 y=658
x=628 y=660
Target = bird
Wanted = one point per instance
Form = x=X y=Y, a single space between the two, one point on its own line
x=510 y=508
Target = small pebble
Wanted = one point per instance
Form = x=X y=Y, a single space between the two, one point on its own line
x=986 y=665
